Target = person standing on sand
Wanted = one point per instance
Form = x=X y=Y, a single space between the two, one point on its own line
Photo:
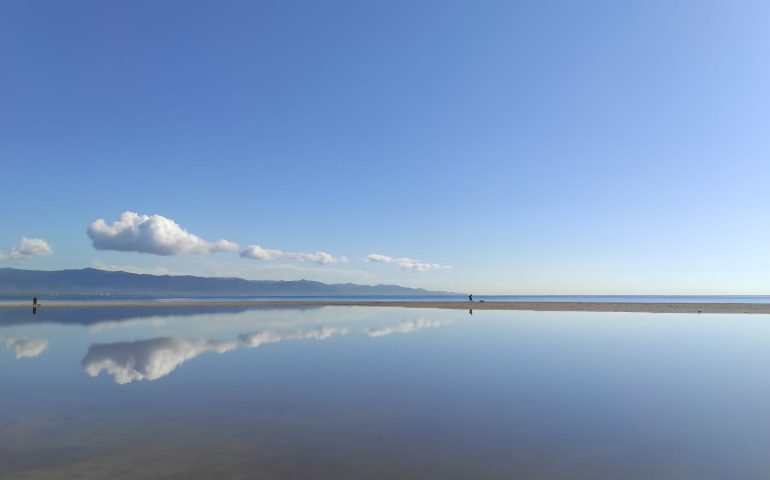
x=470 y=297
x=34 y=301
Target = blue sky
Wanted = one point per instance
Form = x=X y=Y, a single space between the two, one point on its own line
x=496 y=147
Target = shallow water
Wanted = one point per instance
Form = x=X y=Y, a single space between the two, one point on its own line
x=347 y=392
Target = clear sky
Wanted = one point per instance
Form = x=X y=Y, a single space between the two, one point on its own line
x=490 y=147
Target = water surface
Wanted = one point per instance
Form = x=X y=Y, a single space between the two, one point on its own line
x=352 y=392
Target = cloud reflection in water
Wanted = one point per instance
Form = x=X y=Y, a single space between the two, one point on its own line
x=147 y=359
x=406 y=326
x=154 y=358
x=25 y=348
x=255 y=339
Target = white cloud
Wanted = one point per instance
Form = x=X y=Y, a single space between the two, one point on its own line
x=154 y=234
x=404 y=263
x=256 y=339
x=28 y=247
x=25 y=348
x=321 y=258
x=405 y=326
x=376 y=257
x=147 y=359
x=258 y=253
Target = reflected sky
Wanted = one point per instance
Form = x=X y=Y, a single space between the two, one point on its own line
x=353 y=392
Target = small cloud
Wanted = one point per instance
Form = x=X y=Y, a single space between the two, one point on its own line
x=147 y=359
x=154 y=234
x=404 y=263
x=321 y=258
x=376 y=257
x=25 y=348
x=406 y=326
x=257 y=339
x=28 y=247
x=258 y=253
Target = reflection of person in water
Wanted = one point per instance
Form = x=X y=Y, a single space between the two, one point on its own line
x=34 y=309
x=470 y=311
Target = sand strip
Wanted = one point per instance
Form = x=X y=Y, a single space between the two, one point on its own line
x=532 y=306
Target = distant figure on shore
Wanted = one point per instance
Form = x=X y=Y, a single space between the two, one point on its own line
x=34 y=302
x=470 y=297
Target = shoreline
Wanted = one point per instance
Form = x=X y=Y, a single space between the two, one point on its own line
x=629 y=307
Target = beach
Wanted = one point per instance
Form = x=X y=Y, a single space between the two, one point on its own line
x=760 y=308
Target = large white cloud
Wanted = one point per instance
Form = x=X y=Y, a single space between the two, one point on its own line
x=256 y=339
x=25 y=348
x=322 y=258
x=154 y=234
x=404 y=263
x=28 y=247
x=405 y=326
x=147 y=359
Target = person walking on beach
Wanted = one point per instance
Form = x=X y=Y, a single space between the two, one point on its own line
x=34 y=301
x=470 y=297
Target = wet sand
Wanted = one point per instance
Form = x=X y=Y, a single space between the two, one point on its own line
x=532 y=306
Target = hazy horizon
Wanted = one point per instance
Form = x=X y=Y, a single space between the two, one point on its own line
x=478 y=295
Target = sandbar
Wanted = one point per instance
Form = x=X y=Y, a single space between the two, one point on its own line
x=644 y=307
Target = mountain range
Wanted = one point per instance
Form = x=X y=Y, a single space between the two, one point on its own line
x=91 y=281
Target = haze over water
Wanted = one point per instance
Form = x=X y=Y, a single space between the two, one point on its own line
x=351 y=392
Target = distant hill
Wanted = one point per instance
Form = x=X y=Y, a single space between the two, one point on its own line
x=90 y=281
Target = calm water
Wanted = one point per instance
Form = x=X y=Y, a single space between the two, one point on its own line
x=342 y=392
